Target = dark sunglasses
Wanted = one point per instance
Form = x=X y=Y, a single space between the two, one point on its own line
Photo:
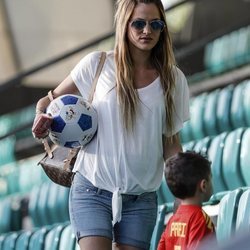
x=156 y=25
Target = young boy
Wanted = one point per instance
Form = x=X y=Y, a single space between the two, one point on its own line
x=188 y=176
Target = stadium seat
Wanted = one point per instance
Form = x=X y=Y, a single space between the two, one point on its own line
x=246 y=102
x=33 y=206
x=237 y=109
x=245 y=156
x=67 y=240
x=10 y=241
x=5 y=215
x=210 y=121
x=227 y=215
x=163 y=193
x=196 y=114
x=186 y=132
x=42 y=204
x=202 y=145
x=243 y=214
x=163 y=210
x=188 y=146
x=37 y=239
x=22 y=242
x=241 y=50
x=231 y=160
x=215 y=153
x=62 y=204
x=52 y=238
x=224 y=109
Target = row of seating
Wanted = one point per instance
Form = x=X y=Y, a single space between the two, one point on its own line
x=218 y=111
x=233 y=215
x=53 y=237
x=10 y=122
x=19 y=177
x=229 y=154
x=228 y=52
x=46 y=204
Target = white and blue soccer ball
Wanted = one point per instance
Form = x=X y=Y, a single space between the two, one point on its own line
x=74 y=121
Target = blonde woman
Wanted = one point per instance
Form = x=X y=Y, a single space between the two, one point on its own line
x=142 y=101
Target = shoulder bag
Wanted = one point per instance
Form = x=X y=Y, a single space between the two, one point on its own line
x=58 y=162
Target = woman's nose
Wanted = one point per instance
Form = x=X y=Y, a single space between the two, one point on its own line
x=147 y=29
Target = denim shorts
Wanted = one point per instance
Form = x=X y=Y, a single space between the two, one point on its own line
x=91 y=214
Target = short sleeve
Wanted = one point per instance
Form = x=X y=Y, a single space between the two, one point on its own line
x=83 y=73
x=181 y=103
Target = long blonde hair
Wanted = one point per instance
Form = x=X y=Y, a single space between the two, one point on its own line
x=162 y=58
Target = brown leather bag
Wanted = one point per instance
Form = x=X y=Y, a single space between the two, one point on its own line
x=58 y=162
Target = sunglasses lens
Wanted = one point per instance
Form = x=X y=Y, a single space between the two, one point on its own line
x=157 y=25
x=138 y=24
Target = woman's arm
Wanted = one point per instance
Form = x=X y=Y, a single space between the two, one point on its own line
x=171 y=146
x=42 y=122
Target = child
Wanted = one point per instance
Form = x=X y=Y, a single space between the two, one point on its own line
x=188 y=176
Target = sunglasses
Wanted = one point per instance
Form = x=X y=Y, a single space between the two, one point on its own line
x=156 y=25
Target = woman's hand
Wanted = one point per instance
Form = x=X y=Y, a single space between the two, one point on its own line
x=41 y=125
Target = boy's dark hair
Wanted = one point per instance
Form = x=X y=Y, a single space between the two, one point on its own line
x=184 y=171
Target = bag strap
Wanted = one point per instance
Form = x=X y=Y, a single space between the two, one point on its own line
x=98 y=72
x=73 y=151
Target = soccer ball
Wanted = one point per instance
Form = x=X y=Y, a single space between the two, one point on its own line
x=74 y=121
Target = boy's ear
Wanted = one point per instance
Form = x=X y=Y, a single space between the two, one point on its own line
x=203 y=185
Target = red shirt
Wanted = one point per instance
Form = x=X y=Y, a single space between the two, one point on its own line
x=186 y=228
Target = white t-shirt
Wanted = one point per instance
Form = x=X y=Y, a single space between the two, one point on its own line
x=116 y=160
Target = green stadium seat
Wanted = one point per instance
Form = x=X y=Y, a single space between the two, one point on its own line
x=10 y=241
x=37 y=239
x=243 y=214
x=33 y=206
x=62 y=204
x=245 y=156
x=214 y=55
x=231 y=159
x=42 y=204
x=5 y=215
x=163 y=210
x=186 y=132
x=210 y=121
x=242 y=48
x=188 y=146
x=215 y=153
x=22 y=242
x=67 y=240
x=196 y=114
x=237 y=109
x=246 y=102
x=227 y=215
x=202 y=145
x=224 y=109
x=53 y=237
x=163 y=193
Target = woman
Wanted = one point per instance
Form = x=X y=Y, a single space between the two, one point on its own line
x=142 y=101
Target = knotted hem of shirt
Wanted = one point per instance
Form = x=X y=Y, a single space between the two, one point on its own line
x=116 y=206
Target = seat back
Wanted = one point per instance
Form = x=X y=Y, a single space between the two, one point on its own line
x=245 y=156
x=227 y=215
x=163 y=210
x=237 y=109
x=67 y=240
x=196 y=114
x=246 y=102
x=215 y=153
x=224 y=109
x=243 y=214
x=210 y=120
x=231 y=160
